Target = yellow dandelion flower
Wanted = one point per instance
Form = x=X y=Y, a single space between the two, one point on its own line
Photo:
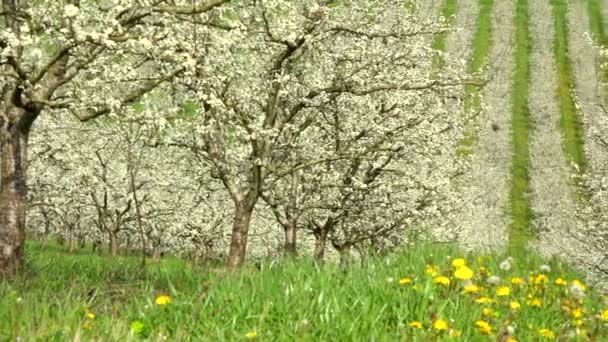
x=430 y=269
x=534 y=302
x=90 y=315
x=484 y=327
x=251 y=335
x=514 y=305
x=484 y=300
x=415 y=324
x=405 y=281
x=579 y=284
x=455 y=333
x=578 y=322
x=539 y=279
x=577 y=313
x=546 y=333
x=510 y=339
x=163 y=300
x=605 y=315
x=458 y=262
x=472 y=288
x=463 y=273
x=503 y=291
x=440 y=325
x=442 y=280
x=487 y=312
x=517 y=281
x=560 y=282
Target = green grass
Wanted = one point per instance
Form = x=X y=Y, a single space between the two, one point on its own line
x=481 y=46
x=596 y=26
x=572 y=131
x=290 y=301
x=448 y=11
x=520 y=230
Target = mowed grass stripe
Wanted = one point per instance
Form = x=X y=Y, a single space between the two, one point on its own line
x=596 y=21
x=520 y=230
x=448 y=11
x=481 y=46
x=571 y=126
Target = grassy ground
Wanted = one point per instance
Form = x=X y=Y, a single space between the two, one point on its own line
x=481 y=46
x=520 y=230
x=596 y=25
x=572 y=130
x=448 y=11
x=87 y=297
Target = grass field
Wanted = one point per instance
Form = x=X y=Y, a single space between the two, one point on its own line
x=520 y=230
x=412 y=296
x=481 y=46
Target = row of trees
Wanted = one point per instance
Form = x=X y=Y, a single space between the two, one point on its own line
x=327 y=115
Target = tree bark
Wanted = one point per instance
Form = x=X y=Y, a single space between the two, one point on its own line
x=290 y=238
x=112 y=243
x=320 y=243
x=13 y=190
x=240 y=230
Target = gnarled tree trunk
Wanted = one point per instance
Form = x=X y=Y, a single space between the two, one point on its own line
x=291 y=230
x=240 y=230
x=14 y=133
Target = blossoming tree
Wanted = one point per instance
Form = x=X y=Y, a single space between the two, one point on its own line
x=89 y=56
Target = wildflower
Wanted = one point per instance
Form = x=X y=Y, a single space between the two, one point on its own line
x=415 y=324
x=463 y=273
x=471 y=288
x=163 y=300
x=579 y=284
x=560 y=282
x=493 y=280
x=534 y=302
x=251 y=335
x=578 y=322
x=503 y=291
x=605 y=315
x=440 y=325
x=546 y=333
x=514 y=305
x=442 y=280
x=90 y=315
x=577 y=289
x=510 y=339
x=577 y=313
x=430 y=269
x=539 y=279
x=484 y=300
x=506 y=264
x=455 y=333
x=545 y=268
x=404 y=281
x=484 y=327
x=516 y=281
x=487 y=312
x=458 y=263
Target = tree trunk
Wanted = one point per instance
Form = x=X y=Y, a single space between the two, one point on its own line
x=345 y=255
x=320 y=243
x=13 y=158
x=112 y=243
x=240 y=229
x=290 y=239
